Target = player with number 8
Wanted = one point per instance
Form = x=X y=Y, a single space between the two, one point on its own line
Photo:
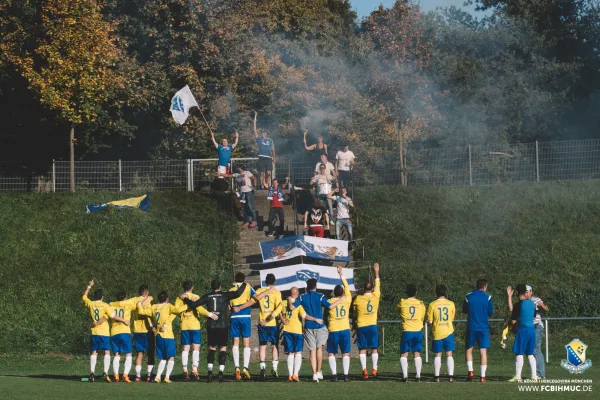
x=100 y=340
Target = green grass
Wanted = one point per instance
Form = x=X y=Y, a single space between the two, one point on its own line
x=50 y=248
x=49 y=378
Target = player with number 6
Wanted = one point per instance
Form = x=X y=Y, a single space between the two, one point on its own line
x=412 y=312
x=366 y=307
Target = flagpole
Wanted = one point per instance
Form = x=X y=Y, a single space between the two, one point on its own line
x=205 y=120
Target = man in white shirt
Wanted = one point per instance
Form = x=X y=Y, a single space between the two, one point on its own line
x=345 y=162
x=323 y=184
x=539 y=332
x=329 y=168
x=344 y=202
x=243 y=177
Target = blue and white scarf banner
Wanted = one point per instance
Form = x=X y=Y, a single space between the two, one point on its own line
x=309 y=246
x=297 y=275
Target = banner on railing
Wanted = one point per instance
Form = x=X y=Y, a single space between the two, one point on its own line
x=308 y=246
x=297 y=275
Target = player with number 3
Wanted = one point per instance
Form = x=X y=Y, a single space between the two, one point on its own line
x=412 y=313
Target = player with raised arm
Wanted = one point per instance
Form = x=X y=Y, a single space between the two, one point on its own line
x=339 y=327
x=292 y=335
x=217 y=327
x=241 y=325
x=191 y=335
x=121 y=334
x=163 y=313
x=270 y=305
x=523 y=314
x=440 y=314
x=225 y=150
x=266 y=155
x=412 y=312
x=479 y=307
x=100 y=340
x=366 y=307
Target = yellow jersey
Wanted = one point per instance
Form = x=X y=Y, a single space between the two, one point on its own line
x=441 y=312
x=122 y=309
x=140 y=322
x=412 y=312
x=294 y=318
x=269 y=304
x=98 y=309
x=366 y=307
x=163 y=314
x=339 y=317
x=247 y=295
x=189 y=318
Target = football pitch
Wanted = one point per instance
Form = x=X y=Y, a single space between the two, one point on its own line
x=58 y=377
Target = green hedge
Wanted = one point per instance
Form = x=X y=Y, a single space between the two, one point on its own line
x=50 y=248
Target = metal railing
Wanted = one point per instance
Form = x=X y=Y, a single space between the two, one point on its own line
x=426 y=329
x=443 y=166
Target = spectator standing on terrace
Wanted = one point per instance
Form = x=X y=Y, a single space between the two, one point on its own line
x=276 y=197
x=266 y=155
x=345 y=162
x=344 y=202
x=245 y=179
x=329 y=168
x=323 y=185
x=225 y=150
x=317 y=149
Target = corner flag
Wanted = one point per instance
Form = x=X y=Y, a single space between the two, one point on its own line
x=181 y=103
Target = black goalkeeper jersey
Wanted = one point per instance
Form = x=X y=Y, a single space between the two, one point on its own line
x=218 y=304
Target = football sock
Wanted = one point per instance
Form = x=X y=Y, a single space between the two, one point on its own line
x=116 y=362
x=184 y=359
x=418 y=365
x=170 y=365
x=210 y=358
x=290 y=364
x=235 y=350
x=450 y=362
x=221 y=367
x=363 y=360
x=470 y=366
x=106 y=363
x=532 y=365
x=128 y=362
x=332 y=365
x=222 y=359
x=161 y=368
x=346 y=364
x=375 y=359
x=150 y=368
x=484 y=367
x=210 y=367
x=275 y=364
x=404 y=366
x=93 y=359
x=195 y=359
x=138 y=371
x=518 y=366
x=246 y=357
x=263 y=365
x=437 y=365
x=297 y=363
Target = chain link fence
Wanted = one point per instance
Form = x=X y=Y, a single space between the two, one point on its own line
x=446 y=166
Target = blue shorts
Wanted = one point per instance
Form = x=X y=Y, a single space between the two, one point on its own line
x=339 y=339
x=524 y=341
x=292 y=342
x=481 y=337
x=368 y=337
x=121 y=343
x=165 y=348
x=268 y=334
x=445 y=344
x=191 y=337
x=140 y=341
x=240 y=327
x=411 y=341
x=99 y=343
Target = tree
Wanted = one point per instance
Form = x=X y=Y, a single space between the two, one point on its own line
x=71 y=63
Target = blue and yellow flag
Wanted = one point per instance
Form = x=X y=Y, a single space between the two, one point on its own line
x=142 y=202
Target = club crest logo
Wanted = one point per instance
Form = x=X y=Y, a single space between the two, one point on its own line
x=177 y=104
x=576 y=362
x=305 y=275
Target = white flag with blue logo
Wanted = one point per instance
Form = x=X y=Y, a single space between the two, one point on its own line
x=181 y=104
x=297 y=275
x=308 y=246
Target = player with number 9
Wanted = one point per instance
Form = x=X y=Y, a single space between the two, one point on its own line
x=100 y=340
x=412 y=313
x=339 y=327
x=366 y=307
x=440 y=314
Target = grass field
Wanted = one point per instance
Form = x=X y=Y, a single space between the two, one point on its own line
x=53 y=378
